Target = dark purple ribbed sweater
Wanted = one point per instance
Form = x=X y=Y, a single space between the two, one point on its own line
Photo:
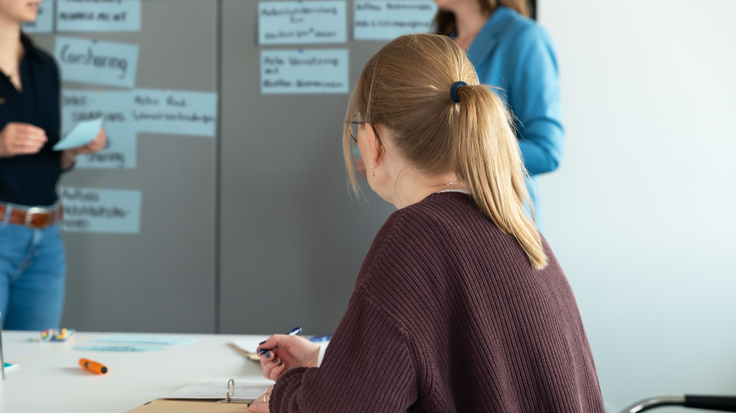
x=449 y=316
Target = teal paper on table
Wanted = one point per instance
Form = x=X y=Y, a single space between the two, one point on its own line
x=98 y=16
x=386 y=20
x=304 y=71
x=175 y=112
x=115 y=107
x=119 y=348
x=44 y=19
x=297 y=22
x=144 y=339
x=101 y=210
x=83 y=133
x=92 y=61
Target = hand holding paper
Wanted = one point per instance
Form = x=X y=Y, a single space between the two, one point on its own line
x=21 y=139
x=82 y=136
x=98 y=144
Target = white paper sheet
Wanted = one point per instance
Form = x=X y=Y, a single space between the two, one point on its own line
x=175 y=112
x=98 y=15
x=386 y=20
x=44 y=19
x=81 y=134
x=98 y=62
x=250 y=344
x=297 y=22
x=216 y=389
x=101 y=210
x=115 y=107
x=304 y=71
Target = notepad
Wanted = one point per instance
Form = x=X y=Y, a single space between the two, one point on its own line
x=216 y=389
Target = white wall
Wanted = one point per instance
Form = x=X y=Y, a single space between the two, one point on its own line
x=641 y=213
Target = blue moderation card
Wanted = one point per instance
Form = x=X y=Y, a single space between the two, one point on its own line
x=298 y=22
x=101 y=210
x=82 y=134
x=144 y=339
x=97 y=62
x=119 y=348
x=98 y=16
x=304 y=71
x=115 y=107
x=386 y=20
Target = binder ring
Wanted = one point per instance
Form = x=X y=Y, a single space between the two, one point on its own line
x=230 y=389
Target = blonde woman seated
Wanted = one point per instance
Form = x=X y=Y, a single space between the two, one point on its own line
x=460 y=305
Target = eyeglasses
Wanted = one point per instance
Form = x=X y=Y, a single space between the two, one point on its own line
x=359 y=123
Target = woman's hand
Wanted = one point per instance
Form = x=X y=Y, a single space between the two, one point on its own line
x=286 y=353
x=260 y=405
x=21 y=139
x=95 y=146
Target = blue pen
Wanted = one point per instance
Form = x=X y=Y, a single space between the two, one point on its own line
x=294 y=331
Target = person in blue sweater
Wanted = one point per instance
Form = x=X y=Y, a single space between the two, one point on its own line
x=512 y=52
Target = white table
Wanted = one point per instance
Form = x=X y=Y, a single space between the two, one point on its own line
x=49 y=377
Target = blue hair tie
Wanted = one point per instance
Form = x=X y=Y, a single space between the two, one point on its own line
x=453 y=91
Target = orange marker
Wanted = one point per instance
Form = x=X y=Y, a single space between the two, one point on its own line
x=92 y=366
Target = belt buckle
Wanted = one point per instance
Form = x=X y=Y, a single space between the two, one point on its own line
x=30 y=212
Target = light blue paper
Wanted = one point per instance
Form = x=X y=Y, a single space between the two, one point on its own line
x=101 y=210
x=98 y=16
x=83 y=133
x=119 y=348
x=304 y=71
x=175 y=112
x=144 y=339
x=44 y=19
x=297 y=22
x=90 y=61
x=119 y=152
x=386 y=20
x=115 y=107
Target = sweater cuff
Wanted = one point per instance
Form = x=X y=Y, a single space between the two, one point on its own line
x=321 y=356
x=285 y=390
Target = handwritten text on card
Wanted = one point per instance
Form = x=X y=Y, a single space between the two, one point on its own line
x=386 y=20
x=98 y=15
x=175 y=112
x=97 y=62
x=296 y=22
x=304 y=71
x=115 y=108
x=101 y=210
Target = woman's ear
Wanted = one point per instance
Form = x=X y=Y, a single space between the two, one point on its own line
x=374 y=145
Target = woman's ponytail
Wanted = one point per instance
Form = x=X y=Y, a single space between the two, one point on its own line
x=487 y=157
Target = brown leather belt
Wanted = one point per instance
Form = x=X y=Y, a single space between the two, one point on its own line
x=34 y=218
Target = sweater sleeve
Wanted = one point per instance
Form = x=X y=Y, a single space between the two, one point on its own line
x=367 y=367
x=535 y=97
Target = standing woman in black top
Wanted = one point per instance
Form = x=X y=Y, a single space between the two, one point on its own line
x=32 y=265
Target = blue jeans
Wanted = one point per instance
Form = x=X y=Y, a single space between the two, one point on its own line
x=32 y=276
